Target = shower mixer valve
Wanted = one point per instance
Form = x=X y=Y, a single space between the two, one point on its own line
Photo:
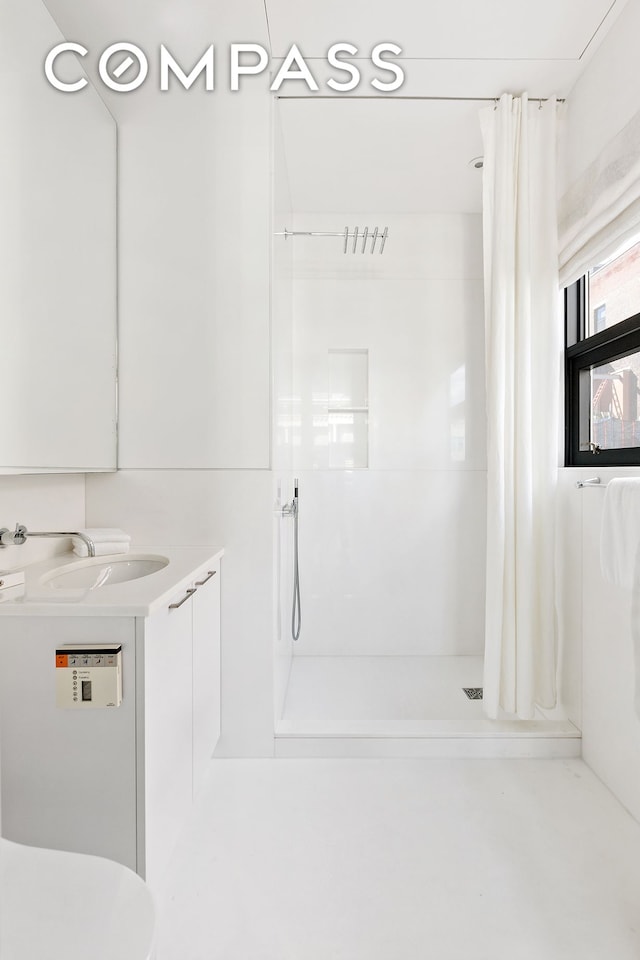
x=291 y=509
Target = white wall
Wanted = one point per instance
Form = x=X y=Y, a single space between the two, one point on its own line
x=601 y=103
x=610 y=725
x=569 y=564
x=392 y=556
x=41 y=503
x=604 y=98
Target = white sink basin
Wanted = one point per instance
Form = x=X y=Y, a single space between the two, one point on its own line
x=97 y=572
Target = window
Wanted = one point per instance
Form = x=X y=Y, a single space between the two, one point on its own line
x=600 y=318
x=603 y=363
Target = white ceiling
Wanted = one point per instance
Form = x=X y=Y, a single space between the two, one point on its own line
x=410 y=156
x=448 y=29
x=384 y=155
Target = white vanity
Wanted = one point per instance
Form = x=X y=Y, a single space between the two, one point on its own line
x=116 y=781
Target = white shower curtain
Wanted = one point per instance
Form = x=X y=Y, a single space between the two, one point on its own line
x=523 y=355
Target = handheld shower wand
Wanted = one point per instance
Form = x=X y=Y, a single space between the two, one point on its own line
x=291 y=510
x=296 y=617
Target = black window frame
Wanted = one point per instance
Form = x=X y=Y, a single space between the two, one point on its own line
x=581 y=353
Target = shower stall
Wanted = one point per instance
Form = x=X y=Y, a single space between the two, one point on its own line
x=378 y=412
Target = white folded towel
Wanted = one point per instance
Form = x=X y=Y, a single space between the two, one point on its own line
x=106 y=534
x=620 y=531
x=107 y=541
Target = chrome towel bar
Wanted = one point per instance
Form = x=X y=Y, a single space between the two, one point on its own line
x=591 y=482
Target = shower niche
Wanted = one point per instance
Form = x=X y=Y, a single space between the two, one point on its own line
x=348 y=409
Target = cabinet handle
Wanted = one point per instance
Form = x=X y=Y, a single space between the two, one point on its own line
x=174 y=606
x=211 y=573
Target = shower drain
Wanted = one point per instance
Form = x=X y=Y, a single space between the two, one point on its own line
x=473 y=693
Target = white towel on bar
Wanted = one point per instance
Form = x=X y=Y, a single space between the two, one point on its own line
x=620 y=532
x=107 y=541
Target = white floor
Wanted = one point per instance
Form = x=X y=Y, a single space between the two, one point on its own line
x=404 y=860
x=395 y=697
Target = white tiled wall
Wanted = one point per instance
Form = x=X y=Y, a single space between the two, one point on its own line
x=597 y=616
x=47 y=502
x=392 y=562
x=392 y=556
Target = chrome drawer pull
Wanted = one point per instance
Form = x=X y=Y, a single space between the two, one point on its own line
x=211 y=573
x=174 y=606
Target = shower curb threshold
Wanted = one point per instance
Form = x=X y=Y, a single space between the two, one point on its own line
x=526 y=745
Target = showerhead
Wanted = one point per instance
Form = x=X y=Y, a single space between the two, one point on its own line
x=367 y=236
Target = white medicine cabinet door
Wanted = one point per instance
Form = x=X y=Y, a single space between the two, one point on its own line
x=58 y=260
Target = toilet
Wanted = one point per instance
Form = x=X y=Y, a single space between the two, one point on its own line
x=68 y=906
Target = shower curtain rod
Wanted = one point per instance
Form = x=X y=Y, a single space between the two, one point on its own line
x=382 y=96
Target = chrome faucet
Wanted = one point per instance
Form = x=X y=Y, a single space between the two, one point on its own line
x=21 y=534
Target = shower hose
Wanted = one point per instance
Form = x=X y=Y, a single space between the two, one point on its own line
x=296 y=619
